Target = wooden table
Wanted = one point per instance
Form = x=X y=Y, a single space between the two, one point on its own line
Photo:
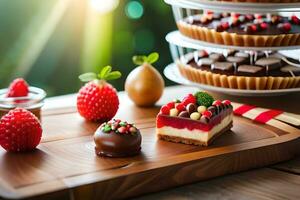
x=281 y=181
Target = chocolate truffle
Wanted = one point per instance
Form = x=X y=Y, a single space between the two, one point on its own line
x=117 y=138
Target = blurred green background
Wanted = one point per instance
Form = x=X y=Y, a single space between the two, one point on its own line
x=49 y=43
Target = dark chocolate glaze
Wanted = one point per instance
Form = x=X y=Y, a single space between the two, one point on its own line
x=242 y=66
x=117 y=145
x=274 y=26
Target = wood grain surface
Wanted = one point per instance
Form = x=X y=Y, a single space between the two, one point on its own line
x=256 y=184
x=65 y=166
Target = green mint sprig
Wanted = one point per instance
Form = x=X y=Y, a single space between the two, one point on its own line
x=105 y=74
x=141 y=59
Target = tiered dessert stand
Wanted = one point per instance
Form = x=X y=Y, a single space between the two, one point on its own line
x=181 y=45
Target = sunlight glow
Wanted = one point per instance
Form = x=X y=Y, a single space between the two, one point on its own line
x=104 y=6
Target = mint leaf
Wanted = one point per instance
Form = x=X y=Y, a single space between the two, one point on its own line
x=104 y=72
x=86 y=77
x=139 y=60
x=152 y=58
x=113 y=75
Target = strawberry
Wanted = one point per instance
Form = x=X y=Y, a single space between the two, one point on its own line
x=18 y=88
x=98 y=100
x=20 y=130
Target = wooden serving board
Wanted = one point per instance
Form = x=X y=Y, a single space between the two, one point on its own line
x=65 y=165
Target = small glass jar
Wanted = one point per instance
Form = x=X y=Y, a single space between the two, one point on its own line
x=33 y=102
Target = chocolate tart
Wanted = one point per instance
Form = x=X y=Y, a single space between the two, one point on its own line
x=196 y=122
x=242 y=30
x=117 y=138
x=236 y=72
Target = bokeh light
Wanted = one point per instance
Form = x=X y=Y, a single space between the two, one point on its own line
x=134 y=10
x=104 y=6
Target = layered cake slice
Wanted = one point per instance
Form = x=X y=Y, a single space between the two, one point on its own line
x=197 y=119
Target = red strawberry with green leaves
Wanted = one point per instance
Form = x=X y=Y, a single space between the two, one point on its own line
x=20 y=130
x=18 y=88
x=97 y=100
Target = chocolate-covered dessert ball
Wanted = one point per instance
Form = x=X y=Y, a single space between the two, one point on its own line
x=117 y=138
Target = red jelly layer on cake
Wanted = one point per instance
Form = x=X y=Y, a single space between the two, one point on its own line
x=181 y=123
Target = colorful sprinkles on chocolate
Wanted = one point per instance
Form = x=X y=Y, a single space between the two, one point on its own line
x=118 y=126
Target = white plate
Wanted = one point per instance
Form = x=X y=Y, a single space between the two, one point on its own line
x=240 y=7
x=175 y=37
x=173 y=74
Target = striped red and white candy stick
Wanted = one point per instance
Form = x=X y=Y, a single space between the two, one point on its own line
x=263 y=115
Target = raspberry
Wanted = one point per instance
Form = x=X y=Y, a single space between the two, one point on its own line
x=235 y=15
x=295 y=19
x=258 y=16
x=165 y=110
x=18 y=88
x=254 y=28
x=287 y=27
x=20 y=130
x=180 y=107
x=188 y=99
x=225 y=25
x=263 y=25
x=171 y=105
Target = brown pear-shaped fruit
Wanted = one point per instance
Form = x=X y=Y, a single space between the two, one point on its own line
x=144 y=85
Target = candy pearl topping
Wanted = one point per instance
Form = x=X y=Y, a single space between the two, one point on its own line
x=201 y=109
x=195 y=116
x=173 y=112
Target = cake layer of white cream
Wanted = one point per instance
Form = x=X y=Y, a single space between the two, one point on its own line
x=195 y=134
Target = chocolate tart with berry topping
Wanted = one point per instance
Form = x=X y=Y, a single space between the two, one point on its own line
x=242 y=30
x=241 y=70
x=117 y=138
x=197 y=119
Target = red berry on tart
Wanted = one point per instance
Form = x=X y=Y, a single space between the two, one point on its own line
x=199 y=123
x=98 y=100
